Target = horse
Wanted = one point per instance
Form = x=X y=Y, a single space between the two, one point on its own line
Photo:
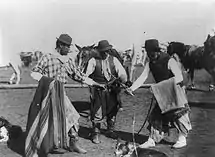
x=209 y=57
x=84 y=55
x=193 y=57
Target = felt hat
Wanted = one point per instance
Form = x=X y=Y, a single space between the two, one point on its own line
x=152 y=45
x=104 y=45
x=65 y=38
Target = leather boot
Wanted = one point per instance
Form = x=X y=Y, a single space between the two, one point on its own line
x=73 y=146
x=96 y=132
x=181 y=142
x=110 y=129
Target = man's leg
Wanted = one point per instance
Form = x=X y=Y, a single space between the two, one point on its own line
x=155 y=136
x=111 y=121
x=96 y=133
x=155 y=128
x=183 y=126
x=96 y=124
x=111 y=128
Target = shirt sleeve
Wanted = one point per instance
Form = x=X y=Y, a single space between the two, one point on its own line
x=91 y=66
x=41 y=65
x=174 y=67
x=141 y=79
x=120 y=70
x=83 y=78
x=73 y=72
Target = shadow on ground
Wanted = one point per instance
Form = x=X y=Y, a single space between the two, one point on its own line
x=202 y=105
x=81 y=106
x=85 y=132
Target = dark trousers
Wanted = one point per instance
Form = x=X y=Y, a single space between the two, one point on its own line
x=104 y=108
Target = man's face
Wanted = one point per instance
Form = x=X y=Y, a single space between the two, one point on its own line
x=104 y=54
x=153 y=55
x=64 y=49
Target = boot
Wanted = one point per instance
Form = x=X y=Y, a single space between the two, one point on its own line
x=73 y=146
x=110 y=129
x=181 y=142
x=149 y=143
x=96 y=132
x=95 y=138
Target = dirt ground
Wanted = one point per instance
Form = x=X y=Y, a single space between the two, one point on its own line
x=15 y=103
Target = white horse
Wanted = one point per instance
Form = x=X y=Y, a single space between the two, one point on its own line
x=15 y=63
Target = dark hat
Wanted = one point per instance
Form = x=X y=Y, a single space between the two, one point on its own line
x=104 y=45
x=152 y=45
x=65 y=38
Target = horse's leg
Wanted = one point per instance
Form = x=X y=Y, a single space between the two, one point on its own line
x=191 y=75
x=212 y=73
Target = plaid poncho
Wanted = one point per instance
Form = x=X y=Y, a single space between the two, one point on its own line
x=48 y=123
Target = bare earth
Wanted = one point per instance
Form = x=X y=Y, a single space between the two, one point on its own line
x=15 y=103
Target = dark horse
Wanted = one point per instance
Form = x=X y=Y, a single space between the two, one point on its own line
x=84 y=55
x=88 y=52
x=195 y=57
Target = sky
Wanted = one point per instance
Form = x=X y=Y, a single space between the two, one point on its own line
x=30 y=25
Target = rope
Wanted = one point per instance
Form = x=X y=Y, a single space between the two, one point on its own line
x=133 y=136
x=152 y=99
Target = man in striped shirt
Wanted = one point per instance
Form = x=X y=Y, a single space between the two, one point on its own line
x=59 y=66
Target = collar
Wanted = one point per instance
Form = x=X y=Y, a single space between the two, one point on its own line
x=63 y=59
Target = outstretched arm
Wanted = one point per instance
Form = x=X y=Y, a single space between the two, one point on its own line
x=141 y=78
x=78 y=76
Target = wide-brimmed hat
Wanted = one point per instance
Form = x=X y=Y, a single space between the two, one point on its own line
x=152 y=45
x=104 y=45
x=65 y=38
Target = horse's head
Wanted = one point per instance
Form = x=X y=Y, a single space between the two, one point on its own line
x=209 y=44
x=85 y=54
x=176 y=47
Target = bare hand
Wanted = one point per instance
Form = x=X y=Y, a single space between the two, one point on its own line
x=99 y=85
x=129 y=91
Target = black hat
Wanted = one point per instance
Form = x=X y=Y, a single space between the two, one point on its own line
x=65 y=38
x=104 y=45
x=152 y=45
